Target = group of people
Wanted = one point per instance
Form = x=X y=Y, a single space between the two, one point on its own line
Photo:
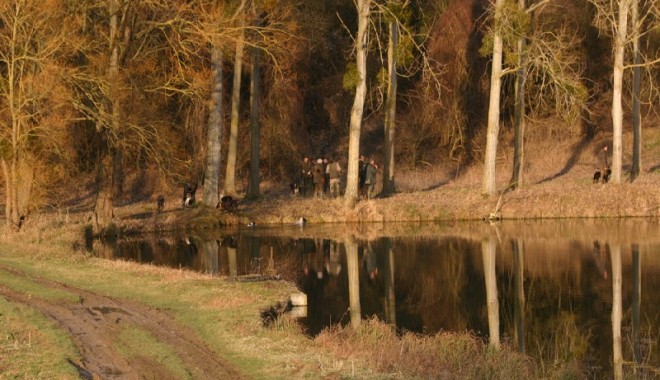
x=322 y=177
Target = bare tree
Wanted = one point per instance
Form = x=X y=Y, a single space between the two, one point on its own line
x=489 y=184
x=389 y=185
x=612 y=16
x=32 y=98
x=363 y=10
x=213 y=153
x=230 y=176
x=255 y=124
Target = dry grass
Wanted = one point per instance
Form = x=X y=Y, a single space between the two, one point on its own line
x=444 y=355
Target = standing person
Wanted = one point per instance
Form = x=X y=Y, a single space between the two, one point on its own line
x=370 y=178
x=306 y=176
x=326 y=183
x=319 y=178
x=333 y=173
x=362 y=175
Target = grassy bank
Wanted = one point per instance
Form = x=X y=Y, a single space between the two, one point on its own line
x=226 y=315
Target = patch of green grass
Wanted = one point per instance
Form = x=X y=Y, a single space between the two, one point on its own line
x=31 y=346
x=33 y=289
x=134 y=342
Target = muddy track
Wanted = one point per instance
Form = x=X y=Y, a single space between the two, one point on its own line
x=95 y=321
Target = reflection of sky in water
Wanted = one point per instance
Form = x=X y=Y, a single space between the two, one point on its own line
x=551 y=284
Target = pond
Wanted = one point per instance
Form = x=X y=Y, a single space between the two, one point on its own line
x=557 y=290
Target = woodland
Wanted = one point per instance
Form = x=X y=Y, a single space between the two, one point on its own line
x=126 y=98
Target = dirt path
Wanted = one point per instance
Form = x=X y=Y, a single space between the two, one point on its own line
x=95 y=321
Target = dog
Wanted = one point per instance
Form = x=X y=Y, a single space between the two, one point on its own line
x=227 y=203
x=606 y=175
x=189 y=191
x=597 y=176
x=160 y=203
x=295 y=188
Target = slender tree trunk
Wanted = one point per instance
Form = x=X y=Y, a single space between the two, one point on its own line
x=212 y=176
x=358 y=104
x=617 y=109
x=9 y=194
x=103 y=210
x=255 y=127
x=389 y=186
x=489 y=184
x=230 y=176
x=637 y=119
x=519 y=111
x=489 y=251
x=617 y=312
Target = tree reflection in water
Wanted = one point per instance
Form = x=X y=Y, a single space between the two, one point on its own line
x=559 y=290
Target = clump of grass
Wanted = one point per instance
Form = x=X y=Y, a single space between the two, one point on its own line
x=444 y=355
x=31 y=347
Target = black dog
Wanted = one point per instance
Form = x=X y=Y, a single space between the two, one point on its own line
x=160 y=202
x=607 y=174
x=597 y=176
x=228 y=203
x=189 y=191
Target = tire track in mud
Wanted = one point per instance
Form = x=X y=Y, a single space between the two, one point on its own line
x=95 y=322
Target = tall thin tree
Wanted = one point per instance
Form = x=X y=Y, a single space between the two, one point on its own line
x=363 y=9
x=212 y=176
x=389 y=185
x=492 y=134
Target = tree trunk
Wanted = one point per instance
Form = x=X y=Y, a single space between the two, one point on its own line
x=637 y=120
x=230 y=176
x=351 y=194
x=212 y=176
x=489 y=184
x=9 y=193
x=617 y=109
x=103 y=209
x=255 y=88
x=389 y=186
x=519 y=112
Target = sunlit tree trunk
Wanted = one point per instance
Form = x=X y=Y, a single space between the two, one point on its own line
x=212 y=177
x=636 y=115
x=230 y=176
x=255 y=124
x=358 y=103
x=489 y=250
x=617 y=109
x=389 y=186
x=353 y=269
x=103 y=210
x=492 y=134
x=519 y=111
x=617 y=311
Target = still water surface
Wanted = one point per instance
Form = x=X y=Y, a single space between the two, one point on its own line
x=547 y=288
